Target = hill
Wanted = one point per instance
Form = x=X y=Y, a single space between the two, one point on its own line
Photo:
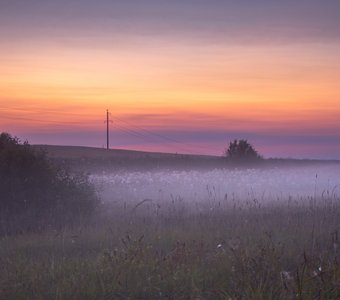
x=89 y=159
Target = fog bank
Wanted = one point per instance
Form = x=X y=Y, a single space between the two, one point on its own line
x=266 y=185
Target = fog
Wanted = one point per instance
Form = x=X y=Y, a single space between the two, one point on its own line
x=264 y=185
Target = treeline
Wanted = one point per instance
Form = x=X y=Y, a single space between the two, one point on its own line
x=35 y=193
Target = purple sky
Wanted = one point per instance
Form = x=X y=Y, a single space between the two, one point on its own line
x=148 y=60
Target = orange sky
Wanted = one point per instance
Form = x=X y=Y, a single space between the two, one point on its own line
x=226 y=83
x=170 y=83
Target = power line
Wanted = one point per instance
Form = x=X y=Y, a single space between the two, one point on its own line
x=107 y=130
x=131 y=132
x=151 y=137
x=108 y=114
x=167 y=139
x=124 y=126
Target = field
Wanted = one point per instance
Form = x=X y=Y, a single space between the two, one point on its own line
x=226 y=233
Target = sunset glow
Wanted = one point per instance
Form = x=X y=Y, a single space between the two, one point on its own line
x=201 y=73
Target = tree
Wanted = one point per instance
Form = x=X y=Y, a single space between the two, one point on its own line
x=34 y=192
x=241 y=151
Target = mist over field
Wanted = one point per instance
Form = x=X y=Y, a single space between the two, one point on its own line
x=98 y=224
x=264 y=185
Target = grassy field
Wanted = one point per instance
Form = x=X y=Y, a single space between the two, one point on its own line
x=178 y=248
x=179 y=251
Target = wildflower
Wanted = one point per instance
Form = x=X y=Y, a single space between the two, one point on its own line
x=335 y=247
x=234 y=244
x=74 y=238
x=286 y=276
x=317 y=272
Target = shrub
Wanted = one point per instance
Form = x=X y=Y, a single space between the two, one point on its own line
x=241 y=151
x=34 y=192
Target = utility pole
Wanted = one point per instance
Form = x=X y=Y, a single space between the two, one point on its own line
x=107 y=130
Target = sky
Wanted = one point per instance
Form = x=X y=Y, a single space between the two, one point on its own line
x=184 y=76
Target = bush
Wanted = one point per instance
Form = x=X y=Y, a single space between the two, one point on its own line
x=240 y=151
x=35 y=192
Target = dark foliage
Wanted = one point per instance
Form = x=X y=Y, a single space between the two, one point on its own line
x=241 y=151
x=35 y=193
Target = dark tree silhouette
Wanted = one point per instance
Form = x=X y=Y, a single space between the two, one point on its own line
x=241 y=151
x=34 y=192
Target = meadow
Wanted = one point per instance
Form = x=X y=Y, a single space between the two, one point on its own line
x=266 y=233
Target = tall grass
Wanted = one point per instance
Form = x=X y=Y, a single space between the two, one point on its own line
x=177 y=250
